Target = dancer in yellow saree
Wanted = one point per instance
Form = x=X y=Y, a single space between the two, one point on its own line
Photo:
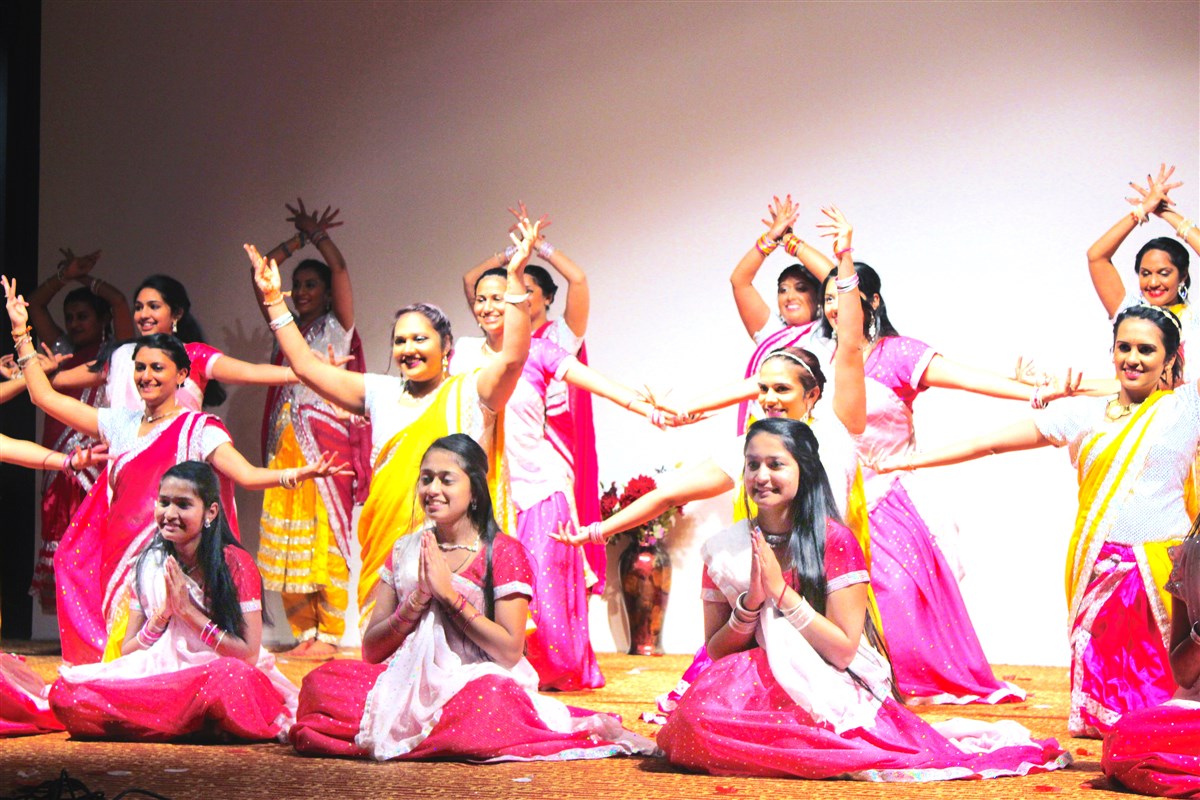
x=412 y=410
x=1134 y=453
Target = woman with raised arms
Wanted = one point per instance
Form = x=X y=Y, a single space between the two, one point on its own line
x=411 y=411
x=116 y=520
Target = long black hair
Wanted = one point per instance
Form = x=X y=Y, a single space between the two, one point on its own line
x=1167 y=323
x=187 y=329
x=876 y=324
x=811 y=508
x=220 y=592
x=474 y=462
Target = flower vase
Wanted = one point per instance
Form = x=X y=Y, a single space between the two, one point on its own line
x=645 y=571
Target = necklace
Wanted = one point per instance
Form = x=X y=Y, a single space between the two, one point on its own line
x=1116 y=409
x=446 y=547
x=774 y=539
x=147 y=420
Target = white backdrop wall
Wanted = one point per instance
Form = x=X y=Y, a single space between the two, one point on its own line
x=978 y=149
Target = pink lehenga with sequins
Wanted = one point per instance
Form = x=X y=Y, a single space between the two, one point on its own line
x=932 y=643
x=24 y=700
x=780 y=710
x=179 y=687
x=439 y=696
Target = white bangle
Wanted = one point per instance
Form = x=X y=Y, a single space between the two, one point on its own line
x=516 y=299
x=739 y=626
x=279 y=322
x=740 y=605
x=800 y=615
x=1194 y=634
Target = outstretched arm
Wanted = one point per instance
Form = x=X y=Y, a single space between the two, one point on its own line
x=341 y=387
x=584 y=377
x=1023 y=435
x=946 y=374
x=34 y=456
x=229 y=461
x=228 y=369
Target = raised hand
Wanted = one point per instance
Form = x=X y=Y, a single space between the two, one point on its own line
x=49 y=360
x=179 y=600
x=18 y=312
x=333 y=359
x=1028 y=373
x=1153 y=198
x=1059 y=386
x=755 y=596
x=73 y=267
x=524 y=237
x=781 y=216
x=266 y=275
x=839 y=228
x=521 y=213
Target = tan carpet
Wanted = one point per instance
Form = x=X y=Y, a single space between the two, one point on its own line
x=215 y=772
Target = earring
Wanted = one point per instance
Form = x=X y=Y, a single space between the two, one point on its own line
x=1183 y=293
x=474 y=505
x=207 y=524
x=174 y=326
x=445 y=364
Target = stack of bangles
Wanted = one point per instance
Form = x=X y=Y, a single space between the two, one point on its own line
x=657 y=418
x=766 y=245
x=743 y=620
x=1139 y=214
x=212 y=635
x=281 y=321
x=800 y=615
x=592 y=531
x=793 y=244
x=845 y=285
x=1035 y=399
x=460 y=606
x=289 y=478
x=150 y=633
x=400 y=615
x=319 y=236
x=1185 y=228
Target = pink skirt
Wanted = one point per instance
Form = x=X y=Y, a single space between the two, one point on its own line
x=225 y=698
x=1156 y=751
x=1118 y=661
x=560 y=649
x=23 y=709
x=490 y=718
x=931 y=642
x=737 y=720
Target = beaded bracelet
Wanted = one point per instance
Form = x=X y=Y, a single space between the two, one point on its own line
x=766 y=245
x=25 y=359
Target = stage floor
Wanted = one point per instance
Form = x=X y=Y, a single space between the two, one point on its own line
x=216 y=772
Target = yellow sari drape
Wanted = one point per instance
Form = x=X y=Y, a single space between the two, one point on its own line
x=391 y=509
x=1099 y=482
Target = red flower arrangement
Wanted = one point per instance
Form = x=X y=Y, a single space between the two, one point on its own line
x=648 y=534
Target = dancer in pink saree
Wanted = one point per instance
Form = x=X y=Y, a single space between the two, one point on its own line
x=799 y=686
x=116 y=519
x=445 y=676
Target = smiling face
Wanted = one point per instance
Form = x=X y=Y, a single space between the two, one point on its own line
x=1158 y=278
x=444 y=488
x=539 y=304
x=797 y=301
x=1140 y=358
x=180 y=513
x=771 y=475
x=310 y=295
x=83 y=326
x=151 y=314
x=489 y=304
x=417 y=348
x=780 y=391
x=156 y=376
